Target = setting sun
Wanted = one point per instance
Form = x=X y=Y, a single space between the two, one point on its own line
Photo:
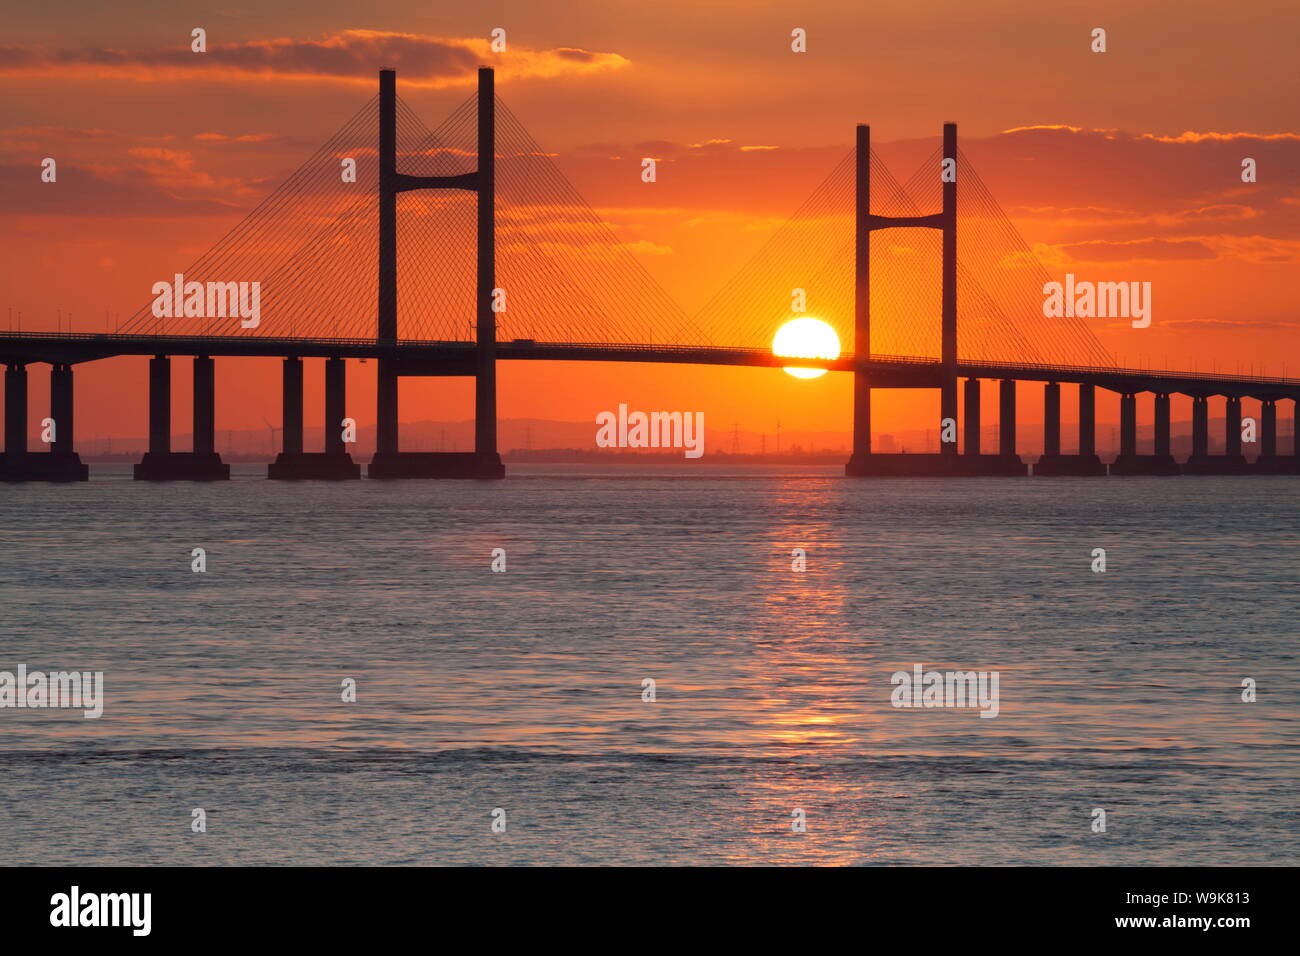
x=806 y=338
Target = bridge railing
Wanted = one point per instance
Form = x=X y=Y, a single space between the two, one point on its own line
x=649 y=349
x=1118 y=370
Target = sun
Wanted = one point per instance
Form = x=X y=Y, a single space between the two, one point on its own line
x=806 y=338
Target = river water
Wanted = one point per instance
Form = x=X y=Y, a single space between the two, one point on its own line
x=481 y=691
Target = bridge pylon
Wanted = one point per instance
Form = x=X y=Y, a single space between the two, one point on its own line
x=864 y=462
x=483 y=461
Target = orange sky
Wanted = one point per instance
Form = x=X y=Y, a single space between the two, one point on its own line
x=1116 y=166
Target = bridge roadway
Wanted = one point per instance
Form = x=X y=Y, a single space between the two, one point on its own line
x=421 y=357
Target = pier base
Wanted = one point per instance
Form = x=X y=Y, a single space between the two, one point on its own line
x=934 y=466
x=181 y=466
x=1079 y=466
x=1277 y=465
x=43 y=466
x=1145 y=465
x=435 y=464
x=313 y=466
x=1217 y=465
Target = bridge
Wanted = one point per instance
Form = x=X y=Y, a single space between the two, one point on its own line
x=568 y=283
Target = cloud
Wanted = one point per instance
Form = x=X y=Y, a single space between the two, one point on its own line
x=646 y=247
x=1193 y=137
x=351 y=56
x=1259 y=249
x=253 y=139
x=62 y=134
x=175 y=171
x=1135 y=250
x=1195 y=325
x=86 y=191
x=1053 y=127
x=1102 y=216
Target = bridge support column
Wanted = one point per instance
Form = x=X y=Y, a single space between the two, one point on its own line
x=488 y=462
x=203 y=463
x=205 y=405
x=336 y=392
x=60 y=463
x=12 y=468
x=484 y=461
x=1232 y=427
x=386 y=379
x=948 y=338
x=334 y=463
x=1268 y=428
x=1200 y=426
x=61 y=409
x=972 y=420
x=1087 y=420
x=947 y=462
x=948 y=413
x=1269 y=461
x=1163 y=447
x=291 y=407
x=63 y=463
x=859 y=461
x=1007 y=417
x=861 y=420
x=1053 y=463
x=1231 y=462
x=1052 y=420
x=386 y=410
x=1129 y=461
x=160 y=405
x=1128 y=425
x=1295 y=433
x=15 y=412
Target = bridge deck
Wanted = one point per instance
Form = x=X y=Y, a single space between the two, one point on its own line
x=456 y=358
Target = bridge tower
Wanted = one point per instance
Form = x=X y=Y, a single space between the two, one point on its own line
x=483 y=461
x=864 y=461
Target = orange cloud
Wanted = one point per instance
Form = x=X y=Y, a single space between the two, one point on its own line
x=1136 y=250
x=351 y=56
x=1193 y=137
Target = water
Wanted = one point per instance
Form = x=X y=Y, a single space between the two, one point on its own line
x=522 y=690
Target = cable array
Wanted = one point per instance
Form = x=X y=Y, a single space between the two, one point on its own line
x=568 y=277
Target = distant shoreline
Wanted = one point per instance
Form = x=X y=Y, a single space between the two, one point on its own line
x=556 y=456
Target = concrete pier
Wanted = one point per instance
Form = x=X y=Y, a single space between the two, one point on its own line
x=1269 y=461
x=1268 y=428
x=15 y=410
x=1007 y=418
x=291 y=407
x=1201 y=461
x=1130 y=462
x=60 y=462
x=930 y=465
x=972 y=420
x=160 y=463
x=332 y=464
x=1053 y=464
x=435 y=464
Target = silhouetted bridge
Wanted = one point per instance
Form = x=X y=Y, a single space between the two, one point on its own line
x=399 y=357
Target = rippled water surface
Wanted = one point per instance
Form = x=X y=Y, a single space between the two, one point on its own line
x=523 y=690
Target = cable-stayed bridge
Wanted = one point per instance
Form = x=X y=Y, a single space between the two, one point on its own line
x=443 y=251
